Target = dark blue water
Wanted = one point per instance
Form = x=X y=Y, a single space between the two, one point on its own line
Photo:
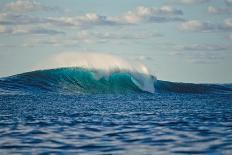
x=41 y=113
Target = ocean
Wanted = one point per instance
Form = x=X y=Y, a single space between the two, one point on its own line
x=76 y=111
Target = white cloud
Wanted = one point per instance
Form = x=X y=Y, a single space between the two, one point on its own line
x=139 y=15
x=25 y=24
x=228 y=2
x=28 y=30
x=164 y=10
x=124 y=36
x=195 y=25
x=26 y=6
x=87 y=20
x=229 y=36
x=189 y=1
x=92 y=37
x=21 y=19
x=202 y=53
x=198 y=26
x=204 y=58
x=228 y=23
x=19 y=23
x=217 y=10
x=4 y=29
x=143 y=58
x=143 y=14
x=202 y=47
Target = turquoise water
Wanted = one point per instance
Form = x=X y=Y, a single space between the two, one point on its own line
x=69 y=111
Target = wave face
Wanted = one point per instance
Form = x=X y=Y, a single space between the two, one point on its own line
x=80 y=80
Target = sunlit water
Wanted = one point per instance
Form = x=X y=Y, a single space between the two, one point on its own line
x=136 y=123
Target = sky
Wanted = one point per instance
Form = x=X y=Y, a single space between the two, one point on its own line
x=178 y=40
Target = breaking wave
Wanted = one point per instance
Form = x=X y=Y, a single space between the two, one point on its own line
x=80 y=80
x=96 y=73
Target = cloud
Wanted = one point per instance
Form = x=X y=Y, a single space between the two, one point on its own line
x=92 y=37
x=11 y=23
x=199 y=57
x=229 y=36
x=228 y=2
x=195 y=25
x=143 y=14
x=26 y=6
x=138 y=16
x=21 y=19
x=87 y=20
x=143 y=58
x=204 y=59
x=198 y=26
x=28 y=30
x=228 y=23
x=166 y=19
x=202 y=53
x=217 y=10
x=123 y=36
x=202 y=47
x=189 y=2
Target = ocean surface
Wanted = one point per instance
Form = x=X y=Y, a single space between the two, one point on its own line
x=76 y=111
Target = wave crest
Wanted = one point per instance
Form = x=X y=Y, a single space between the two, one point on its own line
x=81 y=80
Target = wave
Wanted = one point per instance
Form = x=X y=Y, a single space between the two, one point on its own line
x=97 y=73
x=179 y=87
x=82 y=80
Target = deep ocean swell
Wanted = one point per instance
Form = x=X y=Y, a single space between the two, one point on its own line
x=82 y=111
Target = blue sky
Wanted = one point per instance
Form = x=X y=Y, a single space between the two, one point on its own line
x=179 y=40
